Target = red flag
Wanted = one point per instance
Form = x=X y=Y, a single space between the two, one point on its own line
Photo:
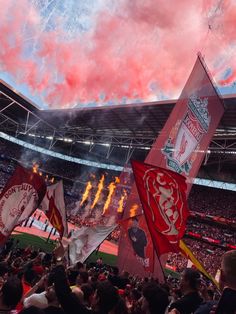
x=21 y=195
x=137 y=241
x=162 y=193
x=183 y=141
x=54 y=207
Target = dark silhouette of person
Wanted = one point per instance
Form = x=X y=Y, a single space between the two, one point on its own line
x=138 y=238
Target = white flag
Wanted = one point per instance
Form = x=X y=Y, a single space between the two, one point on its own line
x=20 y=197
x=85 y=240
x=53 y=206
x=217 y=276
x=190 y=264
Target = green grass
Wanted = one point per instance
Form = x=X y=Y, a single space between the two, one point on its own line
x=26 y=239
x=172 y=273
x=108 y=259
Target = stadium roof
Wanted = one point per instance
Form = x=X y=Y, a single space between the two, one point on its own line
x=139 y=120
x=131 y=127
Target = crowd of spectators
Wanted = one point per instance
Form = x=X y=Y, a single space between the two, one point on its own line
x=202 y=199
x=216 y=232
x=222 y=233
x=115 y=235
x=208 y=255
x=211 y=201
x=6 y=169
x=33 y=281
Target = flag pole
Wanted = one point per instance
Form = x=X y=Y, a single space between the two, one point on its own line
x=68 y=247
x=50 y=233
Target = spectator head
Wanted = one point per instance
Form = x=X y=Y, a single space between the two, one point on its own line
x=11 y=292
x=120 y=307
x=106 y=297
x=3 y=268
x=125 y=274
x=79 y=294
x=18 y=262
x=47 y=259
x=228 y=270
x=32 y=310
x=51 y=296
x=135 y=294
x=72 y=276
x=88 y=293
x=82 y=278
x=30 y=276
x=155 y=299
x=190 y=280
x=135 y=223
x=79 y=266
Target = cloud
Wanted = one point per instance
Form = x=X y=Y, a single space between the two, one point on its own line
x=123 y=49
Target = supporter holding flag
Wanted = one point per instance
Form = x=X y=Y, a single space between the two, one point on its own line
x=191 y=299
x=19 y=199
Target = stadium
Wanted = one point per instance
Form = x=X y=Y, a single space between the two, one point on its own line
x=104 y=139
x=74 y=144
x=117 y=192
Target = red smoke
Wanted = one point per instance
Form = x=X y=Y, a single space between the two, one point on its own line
x=143 y=49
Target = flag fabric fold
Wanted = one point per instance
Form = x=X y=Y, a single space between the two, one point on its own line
x=162 y=193
x=20 y=197
x=53 y=206
x=85 y=240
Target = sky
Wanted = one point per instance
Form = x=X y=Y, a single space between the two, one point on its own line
x=67 y=53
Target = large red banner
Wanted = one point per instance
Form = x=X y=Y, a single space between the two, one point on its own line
x=137 y=255
x=183 y=142
x=163 y=196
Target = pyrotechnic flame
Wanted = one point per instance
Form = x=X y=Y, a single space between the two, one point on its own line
x=86 y=192
x=133 y=210
x=111 y=188
x=99 y=190
x=35 y=167
x=117 y=180
x=40 y=173
x=121 y=202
